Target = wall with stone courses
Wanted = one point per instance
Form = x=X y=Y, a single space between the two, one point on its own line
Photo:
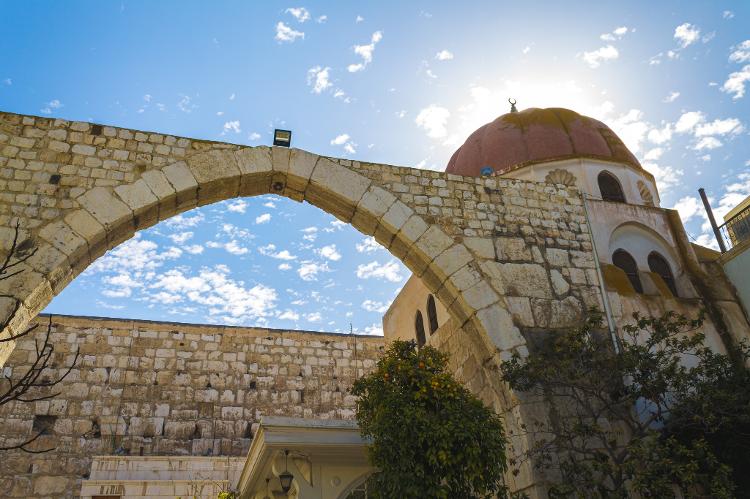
x=503 y=256
x=171 y=389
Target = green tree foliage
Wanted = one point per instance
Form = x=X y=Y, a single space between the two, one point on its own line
x=431 y=438
x=656 y=415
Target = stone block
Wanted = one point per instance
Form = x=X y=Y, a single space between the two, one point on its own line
x=512 y=249
x=184 y=183
x=102 y=204
x=217 y=174
x=525 y=279
x=140 y=199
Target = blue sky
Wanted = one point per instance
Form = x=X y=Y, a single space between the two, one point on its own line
x=393 y=82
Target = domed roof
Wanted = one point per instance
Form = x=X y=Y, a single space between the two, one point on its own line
x=535 y=136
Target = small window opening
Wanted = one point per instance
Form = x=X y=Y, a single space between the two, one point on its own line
x=610 y=188
x=419 y=327
x=658 y=265
x=432 y=314
x=624 y=261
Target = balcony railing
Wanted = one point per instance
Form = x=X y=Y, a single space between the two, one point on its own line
x=737 y=229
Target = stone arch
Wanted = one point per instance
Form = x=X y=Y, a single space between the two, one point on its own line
x=106 y=216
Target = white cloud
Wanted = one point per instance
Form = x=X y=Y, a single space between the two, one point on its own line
x=666 y=176
x=653 y=154
x=147 y=97
x=231 y=126
x=368 y=245
x=253 y=136
x=365 y=52
x=8 y=81
x=263 y=218
x=444 y=55
x=616 y=34
x=228 y=300
x=686 y=34
x=707 y=143
x=234 y=248
x=433 y=119
x=232 y=96
x=359 y=19
x=284 y=266
x=631 y=128
x=595 y=58
x=310 y=234
x=344 y=140
x=270 y=250
x=731 y=126
x=526 y=49
x=689 y=206
x=373 y=329
x=237 y=206
x=340 y=139
x=688 y=121
x=389 y=271
x=318 y=79
x=301 y=14
x=194 y=249
x=727 y=14
x=50 y=107
x=287 y=34
x=309 y=270
x=375 y=306
x=736 y=81
x=671 y=97
x=660 y=135
x=321 y=19
x=185 y=104
x=740 y=52
x=313 y=317
x=288 y=315
x=180 y=237
x=330 y=252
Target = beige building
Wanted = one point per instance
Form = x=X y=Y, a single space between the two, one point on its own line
x=539 y=216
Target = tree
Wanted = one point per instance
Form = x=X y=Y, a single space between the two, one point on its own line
x=618 y=417
x=34 y=384
x=431 y=438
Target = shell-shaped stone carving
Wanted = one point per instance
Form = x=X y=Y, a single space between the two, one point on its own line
x=646 y=195
x=560 y=176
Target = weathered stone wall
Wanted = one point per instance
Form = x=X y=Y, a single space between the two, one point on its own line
x=169 y=389
x=503 y=256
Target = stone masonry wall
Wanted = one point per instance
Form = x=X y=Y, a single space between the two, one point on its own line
x=169 y=389
x=505 y=257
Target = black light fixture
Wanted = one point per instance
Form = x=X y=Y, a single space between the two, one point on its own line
x=282 y=138
x=286 y=477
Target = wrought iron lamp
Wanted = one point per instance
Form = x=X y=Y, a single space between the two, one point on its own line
x=286 y=477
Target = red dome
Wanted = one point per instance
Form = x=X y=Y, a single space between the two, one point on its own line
x=535 y=136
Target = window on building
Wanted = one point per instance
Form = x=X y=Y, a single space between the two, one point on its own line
x=624 y=261
x=432 y=314
x=419 y=327
x=658 y=265
x=610 y=188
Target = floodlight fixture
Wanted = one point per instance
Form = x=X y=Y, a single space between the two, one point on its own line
x=282 y=138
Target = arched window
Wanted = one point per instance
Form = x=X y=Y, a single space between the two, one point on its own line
x=624 y=261
x=610 y=188
x=419 y=327
x=432 y=314
x=658 y=265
